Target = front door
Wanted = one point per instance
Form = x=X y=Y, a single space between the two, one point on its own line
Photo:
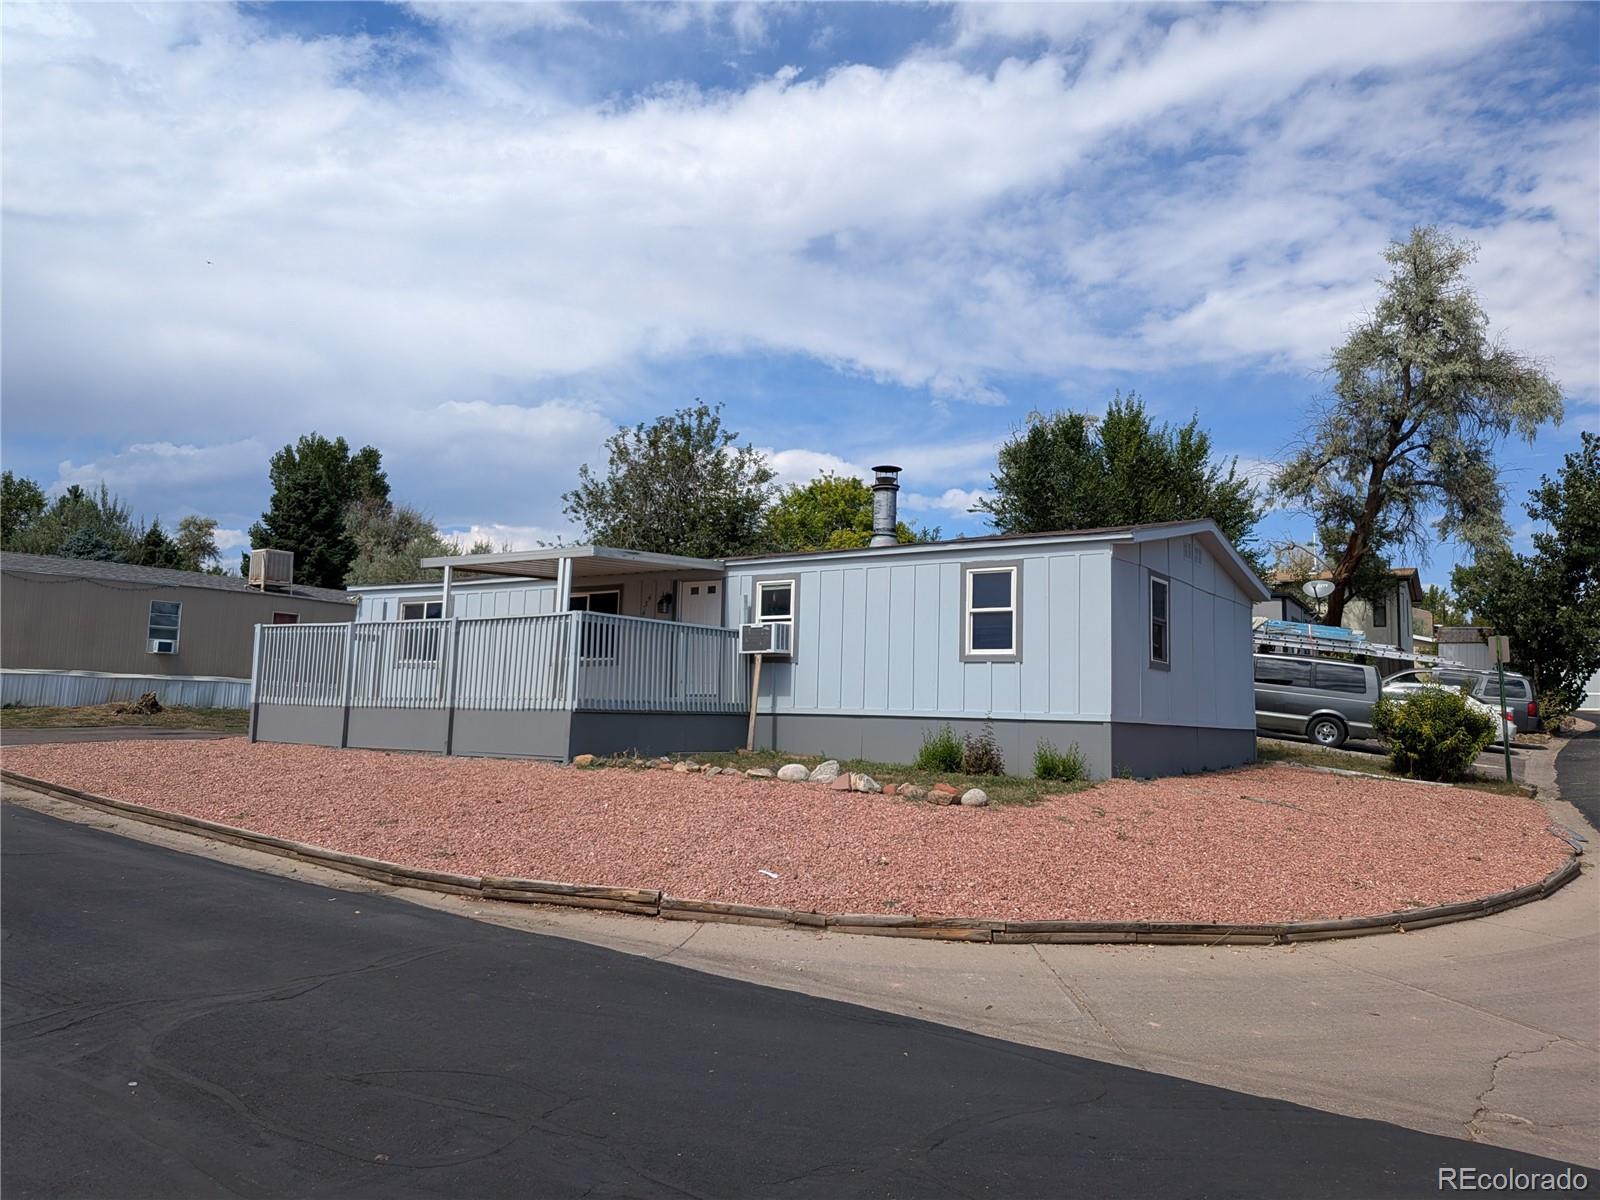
x=701 y=603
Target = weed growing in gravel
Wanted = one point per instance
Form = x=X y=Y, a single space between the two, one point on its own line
x=980 y=753
x=941 y=751
x=1050 y=763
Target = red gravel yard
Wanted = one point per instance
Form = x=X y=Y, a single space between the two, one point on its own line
x=1253 y=845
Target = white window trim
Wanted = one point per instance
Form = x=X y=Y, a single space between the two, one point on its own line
x=1165 y=622
x=423 y=604
x=617 y=592
x=969 y=609
x=150 y=625
x=761 y=586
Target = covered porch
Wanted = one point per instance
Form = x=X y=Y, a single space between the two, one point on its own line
x=575 y=677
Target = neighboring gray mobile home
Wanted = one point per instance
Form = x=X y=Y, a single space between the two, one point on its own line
x=77 y=631
x=1134 y=643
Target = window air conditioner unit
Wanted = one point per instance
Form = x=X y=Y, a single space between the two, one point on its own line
x=163 y=646
x=765 y=639
x=271 y=568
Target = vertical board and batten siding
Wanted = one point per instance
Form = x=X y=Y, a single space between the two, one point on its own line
x=1208 y=682
x=884 y=637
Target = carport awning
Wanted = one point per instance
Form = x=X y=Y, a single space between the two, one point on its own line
x=584 y=562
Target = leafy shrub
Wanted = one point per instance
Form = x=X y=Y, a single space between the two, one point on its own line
x=940 y=751
x=1050 y=763
x=980 y=753
x=1432 y=733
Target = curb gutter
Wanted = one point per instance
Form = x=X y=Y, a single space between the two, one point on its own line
x=653 y=903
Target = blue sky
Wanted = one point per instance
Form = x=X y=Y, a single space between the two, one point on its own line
x=481 y=236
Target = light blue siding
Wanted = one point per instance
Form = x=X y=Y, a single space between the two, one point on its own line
x=1208 y=682
x=883 y=636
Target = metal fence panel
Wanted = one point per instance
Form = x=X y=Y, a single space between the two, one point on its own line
x=550 y=661
x=75 y=689
x=632 y=664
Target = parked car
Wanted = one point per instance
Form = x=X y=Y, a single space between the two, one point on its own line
x=1327 y=700
x=1482 y=686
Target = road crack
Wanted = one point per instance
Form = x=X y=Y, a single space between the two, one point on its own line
x=1475 y=1132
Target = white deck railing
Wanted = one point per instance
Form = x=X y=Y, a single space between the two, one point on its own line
x=552 y=661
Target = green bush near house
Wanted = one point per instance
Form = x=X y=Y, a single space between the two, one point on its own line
x=1432 y=733
x=940 y=751
x=1050 y=763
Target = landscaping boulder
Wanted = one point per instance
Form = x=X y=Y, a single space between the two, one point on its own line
x=583 y=760
x=974 y=797
x=793 y=773
x=911 y=791
x=889 y=789
x=825 y=772
x=758 y=773
x=944 y=793
x=864 y=783
x=840 y=783
x=710 y=769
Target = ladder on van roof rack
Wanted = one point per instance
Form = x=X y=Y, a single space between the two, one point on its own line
x=1324 y=645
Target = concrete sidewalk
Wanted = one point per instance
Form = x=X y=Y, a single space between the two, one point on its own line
x=1485 y=1030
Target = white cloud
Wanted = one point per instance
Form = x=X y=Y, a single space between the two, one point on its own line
x=145 y=466
x=231 y=539
x=214 y=227
x=514 y=537
x=957 y=502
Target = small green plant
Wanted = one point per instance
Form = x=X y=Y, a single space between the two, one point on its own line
x=1050 y=763
x=941 y=751
x=1432 y=733
x=980 y=753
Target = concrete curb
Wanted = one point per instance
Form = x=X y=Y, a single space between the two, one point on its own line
x=653 y=903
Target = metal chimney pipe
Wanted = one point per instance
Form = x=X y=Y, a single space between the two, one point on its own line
x=884 y=515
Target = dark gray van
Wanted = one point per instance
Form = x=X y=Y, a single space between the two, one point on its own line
x=1326 y=700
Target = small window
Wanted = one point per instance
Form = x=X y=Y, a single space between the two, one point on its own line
x=286 y=618
x=1160 y=622
x=1336 y=677
x=165 y=616
x=419 y=645
x=1380 y=613
x=711 y=589
x=600 y=637
x=992 y=612
x=775 y=601
x=1283 y=672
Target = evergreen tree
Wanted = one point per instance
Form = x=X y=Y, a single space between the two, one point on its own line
x=314 y=482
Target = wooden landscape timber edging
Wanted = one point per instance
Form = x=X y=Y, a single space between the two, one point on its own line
x=654 y=903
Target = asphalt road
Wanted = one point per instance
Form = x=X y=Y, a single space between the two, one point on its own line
x=1578 y=772
x=174 y=1027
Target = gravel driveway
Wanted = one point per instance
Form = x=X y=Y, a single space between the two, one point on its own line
x=1266 y=843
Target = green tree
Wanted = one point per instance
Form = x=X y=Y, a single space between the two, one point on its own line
x=1548 y=603
x=1422 y=394
x=391 y=542
x=155 y=549
x=1446 y=609
x=832 y=512
x=676 y=486
x=196 y=539
x=314 y=482
x=21 y=504
x=87 y=543
x=102 y=518
x=1068 y=470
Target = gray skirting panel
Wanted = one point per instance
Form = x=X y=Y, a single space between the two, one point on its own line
x=649 y=734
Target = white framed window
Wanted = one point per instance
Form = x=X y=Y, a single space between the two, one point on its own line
x=421 y=610
x=775 y=602
x=991 y=628
x=1160 y=622
x=599 y=640
x=419 y=645
x=162 y=630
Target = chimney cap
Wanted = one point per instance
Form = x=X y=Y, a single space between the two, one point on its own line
x=886 y=469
